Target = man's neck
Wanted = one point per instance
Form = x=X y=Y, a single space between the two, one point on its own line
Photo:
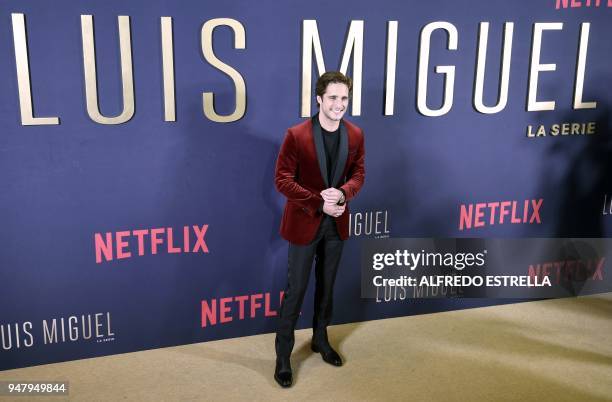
x=328 y=125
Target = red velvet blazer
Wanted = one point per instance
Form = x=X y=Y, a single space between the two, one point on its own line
x=301 y=175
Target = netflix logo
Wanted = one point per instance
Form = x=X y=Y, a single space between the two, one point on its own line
x=127 y=243
x=227 y=309
x=569 y=270
x=500 y=213
x=562 y=4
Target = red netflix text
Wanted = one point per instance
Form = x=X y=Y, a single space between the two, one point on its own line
x=226 y=309
x=569 y=270
x=117 y=245
x=582 y=3
x=499 y=213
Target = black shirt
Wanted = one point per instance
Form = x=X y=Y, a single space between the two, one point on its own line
x=331 y=141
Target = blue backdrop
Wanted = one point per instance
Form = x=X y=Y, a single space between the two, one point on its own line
x=63 y=184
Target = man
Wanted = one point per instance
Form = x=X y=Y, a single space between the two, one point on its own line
x=320 y=168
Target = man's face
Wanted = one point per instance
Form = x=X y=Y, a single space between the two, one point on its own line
x=334 y=101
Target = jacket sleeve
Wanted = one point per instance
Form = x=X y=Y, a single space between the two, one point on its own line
x=356 y=174
x=285 y=177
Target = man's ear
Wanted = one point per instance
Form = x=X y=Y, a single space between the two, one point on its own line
x=319 y=100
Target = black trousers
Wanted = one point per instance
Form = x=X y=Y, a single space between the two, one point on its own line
x=326 y=248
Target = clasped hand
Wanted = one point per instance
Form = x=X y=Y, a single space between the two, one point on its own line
x=331 y=198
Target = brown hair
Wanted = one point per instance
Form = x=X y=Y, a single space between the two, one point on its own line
x=332 y=77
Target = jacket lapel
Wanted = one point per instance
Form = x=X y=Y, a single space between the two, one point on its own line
x=320 y=147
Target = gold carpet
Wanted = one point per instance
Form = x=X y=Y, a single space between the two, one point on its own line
x=554 y=350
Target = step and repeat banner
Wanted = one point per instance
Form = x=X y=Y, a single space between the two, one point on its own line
x=138 y=142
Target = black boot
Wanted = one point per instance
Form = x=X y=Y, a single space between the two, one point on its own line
x=328 y=354
x=282 y=373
